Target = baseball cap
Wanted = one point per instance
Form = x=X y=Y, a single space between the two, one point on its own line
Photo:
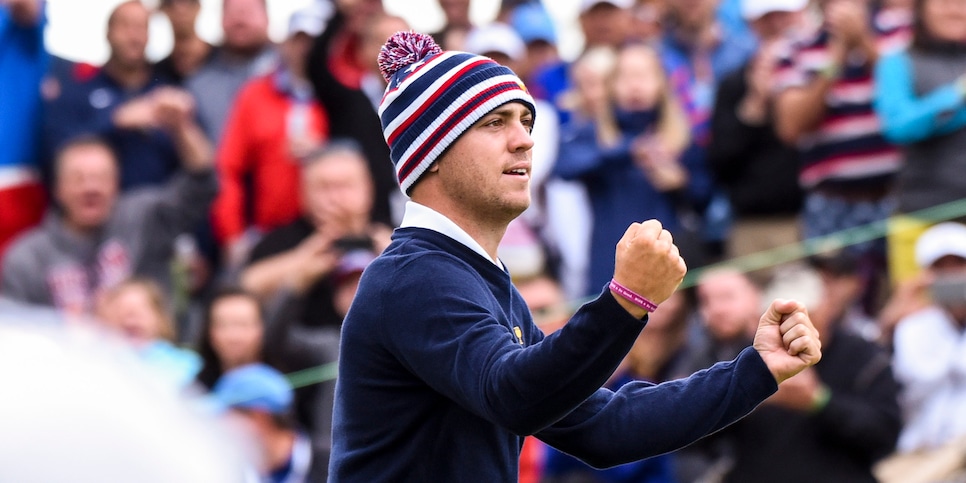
x=254 y=386
x=754 y=9
x=533 y=23
x=495 y=37
x=940 y=240
x=586 y=5
x=310 y=20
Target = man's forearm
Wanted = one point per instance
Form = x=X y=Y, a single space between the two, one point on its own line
x=193 y=147
x=800 y=110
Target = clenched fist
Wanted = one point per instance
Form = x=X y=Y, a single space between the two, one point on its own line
x=786 y=339
x=648 y=263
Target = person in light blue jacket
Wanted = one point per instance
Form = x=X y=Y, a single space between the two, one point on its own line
x=920 y=98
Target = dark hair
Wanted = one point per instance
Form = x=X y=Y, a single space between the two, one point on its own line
x=211 y=368
x=923 y=40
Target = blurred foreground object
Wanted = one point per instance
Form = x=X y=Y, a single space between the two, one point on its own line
x=80 y=408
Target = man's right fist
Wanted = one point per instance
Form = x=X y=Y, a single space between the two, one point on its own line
x=648 y=263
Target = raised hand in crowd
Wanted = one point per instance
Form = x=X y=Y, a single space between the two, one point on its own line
x=312 y=260
x=659 y=163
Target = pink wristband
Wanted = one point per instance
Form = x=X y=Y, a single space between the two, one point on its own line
x=632 y=296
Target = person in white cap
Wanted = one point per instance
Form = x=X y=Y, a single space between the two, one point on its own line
x=930 y=345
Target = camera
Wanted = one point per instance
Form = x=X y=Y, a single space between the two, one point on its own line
x=350 y=243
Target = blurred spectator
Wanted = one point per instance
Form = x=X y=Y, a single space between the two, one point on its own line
x=138 y=311
x=298 y=260
x=547 y=302
x=535 y=27
x=245 y=52
x=95 y=237
x=111 y=420
x=604 y=23
x=637 y=153
x=456 y=26
x=259 y=399
x=22 y=64
x=274 y=123
x=729 y=303
x=842 y=286
x=126 y=103
x=758 y=171
x=838 y=418
x=920 y=93
x=189 y=51
x=346 y=79
x=647 y=20
x=930 y=345
x=233 y=334
x=698 y=51
x=825 y=108
x=656 y=350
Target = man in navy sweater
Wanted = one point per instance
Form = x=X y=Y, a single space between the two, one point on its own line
x=442 y=371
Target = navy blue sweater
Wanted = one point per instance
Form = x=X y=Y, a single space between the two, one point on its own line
x=442 y=372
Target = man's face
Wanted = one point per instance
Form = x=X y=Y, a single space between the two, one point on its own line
x=87 y=183
x=127 y=33
x=486 y=172
x=729 y=304
x=605 y=24
x=245 y=23
x=337 y=191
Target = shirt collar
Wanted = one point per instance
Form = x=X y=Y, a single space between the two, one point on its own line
x=421 y=216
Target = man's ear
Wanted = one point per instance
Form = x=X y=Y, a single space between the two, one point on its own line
x=433 y=168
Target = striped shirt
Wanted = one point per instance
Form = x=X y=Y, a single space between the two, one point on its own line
x=847 y=148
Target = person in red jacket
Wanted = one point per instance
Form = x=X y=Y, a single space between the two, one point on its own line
x=274 y=124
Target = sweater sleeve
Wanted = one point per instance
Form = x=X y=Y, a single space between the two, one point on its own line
x=907 y=118
x=642 y=419
x=460 y=348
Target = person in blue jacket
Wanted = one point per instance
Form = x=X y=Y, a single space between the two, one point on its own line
x=634 y=155
x=920 y=98
x=442 y=371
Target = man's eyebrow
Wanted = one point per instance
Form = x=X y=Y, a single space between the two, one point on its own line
x=507 y=111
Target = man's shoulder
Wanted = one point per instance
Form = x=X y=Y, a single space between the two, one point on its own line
x=28 y=247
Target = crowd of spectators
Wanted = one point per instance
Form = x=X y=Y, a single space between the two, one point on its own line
x=215 y=210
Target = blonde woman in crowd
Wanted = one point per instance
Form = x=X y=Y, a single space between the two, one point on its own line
x=630 y=146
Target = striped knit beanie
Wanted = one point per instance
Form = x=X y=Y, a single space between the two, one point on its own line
x=434 y=96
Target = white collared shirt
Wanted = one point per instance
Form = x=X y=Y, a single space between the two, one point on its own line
x=421 y=216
